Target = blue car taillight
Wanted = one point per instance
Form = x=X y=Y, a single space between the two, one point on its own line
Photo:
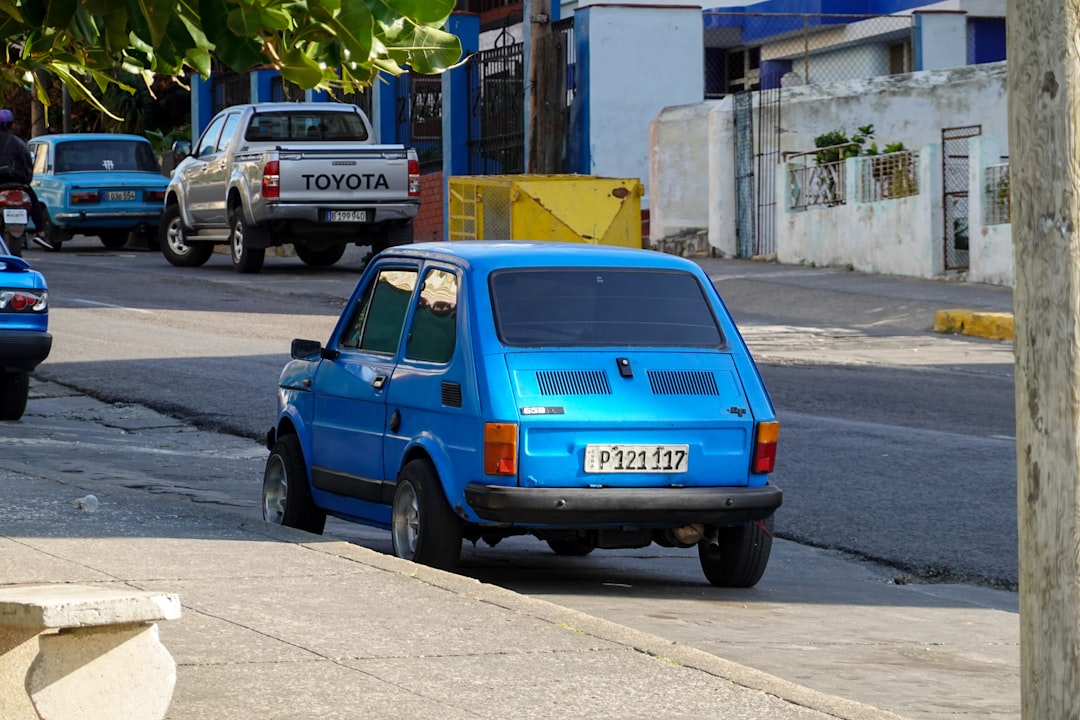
x=23 y=301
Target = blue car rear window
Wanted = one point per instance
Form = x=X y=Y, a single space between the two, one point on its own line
x=105 y=156
x=573 y=307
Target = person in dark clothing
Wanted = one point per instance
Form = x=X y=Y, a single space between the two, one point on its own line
x=17 y=166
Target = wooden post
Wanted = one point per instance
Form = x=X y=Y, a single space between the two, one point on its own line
x=539 y=24
x=1044 y=169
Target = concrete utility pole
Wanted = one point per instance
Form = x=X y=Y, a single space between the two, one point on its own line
x=1044 y=169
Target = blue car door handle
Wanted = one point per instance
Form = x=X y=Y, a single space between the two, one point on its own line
x=378 y=382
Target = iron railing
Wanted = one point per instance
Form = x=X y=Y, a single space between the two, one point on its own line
x=996 y=197
x=890 y=176
x=496 y=139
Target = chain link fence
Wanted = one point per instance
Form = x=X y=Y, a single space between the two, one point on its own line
x=755 y=51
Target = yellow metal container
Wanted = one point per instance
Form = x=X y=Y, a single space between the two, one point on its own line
x=564 y=208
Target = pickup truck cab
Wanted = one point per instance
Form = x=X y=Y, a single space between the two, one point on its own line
x=590 y=396
x=306 y=174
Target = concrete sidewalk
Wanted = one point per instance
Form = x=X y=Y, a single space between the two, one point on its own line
x=281 y=624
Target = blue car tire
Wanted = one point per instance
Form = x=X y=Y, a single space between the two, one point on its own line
x=422 y=526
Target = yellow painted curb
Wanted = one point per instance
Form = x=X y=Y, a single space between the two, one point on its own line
x=992 y=325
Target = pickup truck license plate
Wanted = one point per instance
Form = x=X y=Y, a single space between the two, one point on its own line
x=346 y=216
x=114 y=195
x=15 y=216
x=637 y=458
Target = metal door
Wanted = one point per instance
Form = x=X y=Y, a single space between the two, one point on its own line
x=954 y=168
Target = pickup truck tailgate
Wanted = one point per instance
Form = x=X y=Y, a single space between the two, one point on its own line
x=328 y=174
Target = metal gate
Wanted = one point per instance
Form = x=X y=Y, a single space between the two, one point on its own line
x=954 y=168
x=496 y=139
x=755 y=171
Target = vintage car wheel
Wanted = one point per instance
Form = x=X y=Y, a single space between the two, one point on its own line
x=422 y=526
x=114 y=239
x=14 y=390
x=244 y=259
x=569 y=547
x=320 y=258
x=740 y=557
x=174 y=245
x=286 y=496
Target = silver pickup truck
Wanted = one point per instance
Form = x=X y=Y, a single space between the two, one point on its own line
x=306 y=174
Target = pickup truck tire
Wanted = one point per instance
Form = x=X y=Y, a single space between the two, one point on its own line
x=319 y=258
x=422 y=526
x=247 y=260
x=740 y=557
x=173 y=241
x=14 y=390
x=286 y=495
x=569 y=547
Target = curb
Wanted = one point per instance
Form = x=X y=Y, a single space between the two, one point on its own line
x=991 y=325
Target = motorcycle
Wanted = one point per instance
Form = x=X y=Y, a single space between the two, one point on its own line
x=14 y=216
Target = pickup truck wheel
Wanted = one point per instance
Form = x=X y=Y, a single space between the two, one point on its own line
x=422 y=526
x=244 y=259
x=286 y=495
x=319 y=258
x=740 y=557
x=14 y=390
x=173 y=241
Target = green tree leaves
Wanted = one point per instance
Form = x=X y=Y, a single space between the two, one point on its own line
x=336 y=45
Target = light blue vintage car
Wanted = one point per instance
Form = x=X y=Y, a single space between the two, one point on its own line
x=590 y=396
x=98 y=184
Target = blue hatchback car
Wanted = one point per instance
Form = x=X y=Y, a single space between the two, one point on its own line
x=590 y=396
x=98 y=184
x=24 y=338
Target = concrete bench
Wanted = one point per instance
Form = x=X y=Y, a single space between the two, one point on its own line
x=92 y=653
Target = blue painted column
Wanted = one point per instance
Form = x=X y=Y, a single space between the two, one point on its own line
x=384 y=108
x=262 y=85
x=202 y=105
x=455 y=108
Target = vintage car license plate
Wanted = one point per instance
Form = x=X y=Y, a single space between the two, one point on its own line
x=15 y=216
x=114 y=195
x=637 y=458
x=346 y=216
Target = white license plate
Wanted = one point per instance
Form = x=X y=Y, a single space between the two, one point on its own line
x=346 y=216
x=15 y=216
x=113 y=195
x=637 y=458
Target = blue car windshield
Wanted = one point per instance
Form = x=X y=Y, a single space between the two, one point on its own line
x=575 y=307
x=105 y=156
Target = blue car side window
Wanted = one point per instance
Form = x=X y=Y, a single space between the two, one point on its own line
x=433 y=333
x=380 y=315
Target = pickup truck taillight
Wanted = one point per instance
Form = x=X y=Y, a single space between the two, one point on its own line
x=414 y=178
x=271 y=182
x=765 y=437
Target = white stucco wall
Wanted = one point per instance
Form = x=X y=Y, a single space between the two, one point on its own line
x=675 y=142
x=899 y=236
x=626 y=93
x=942 y=41
x=991 y=249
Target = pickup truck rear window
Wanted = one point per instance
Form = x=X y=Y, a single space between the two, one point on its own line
x=570 y=307
x=311 y=126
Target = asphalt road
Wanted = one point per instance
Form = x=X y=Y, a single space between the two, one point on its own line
x=886 y=453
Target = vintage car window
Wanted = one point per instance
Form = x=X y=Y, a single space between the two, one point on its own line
x=41 y=157
x=209 y=139
x=308 y=126
x=105 y=155
x=433 y=333
x=380 y=315
x=602 y=306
